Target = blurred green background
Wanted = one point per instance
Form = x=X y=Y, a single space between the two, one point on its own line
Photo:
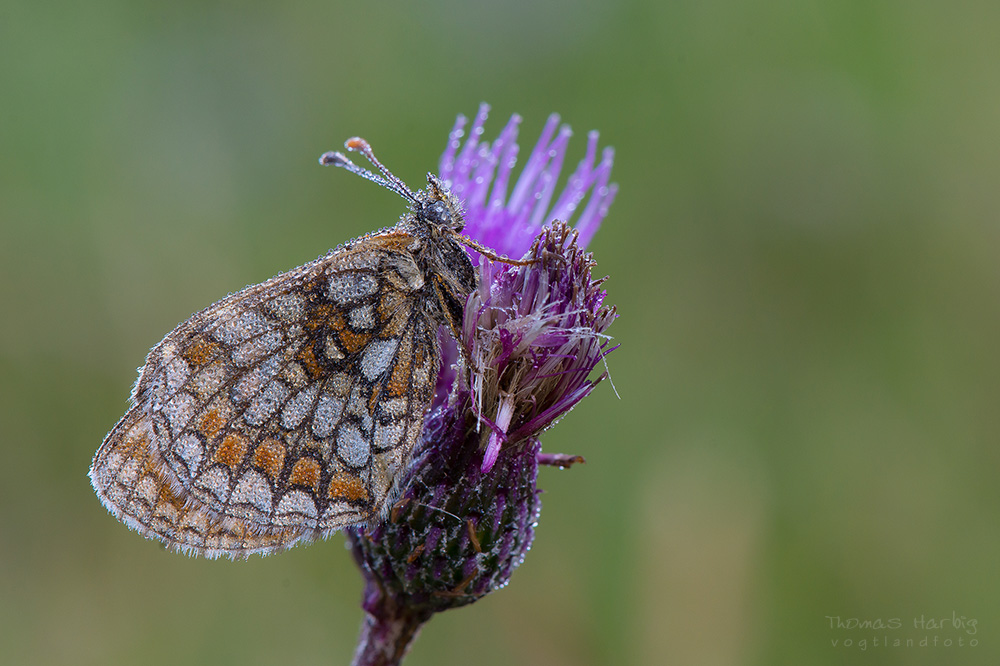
x=803 y=251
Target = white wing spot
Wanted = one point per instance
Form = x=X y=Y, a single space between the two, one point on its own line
x=395 y=407
x=216 y=481
x=347 y=287
x=179 y=411
x=352 y=447
x=207 y=381
x=362 y=318
x=244 y=327
x=129 y=472
x=332 y=350
x=190 y=450
x=387 y=436
x=254 y=350
x=146 y=489
x=253 y=489
x=177 y=371
x=254 y=380
x=266 y=403
x=327 y=415
x=377 y=357
x=299 y=503
x=297 y=408
x=287 y=307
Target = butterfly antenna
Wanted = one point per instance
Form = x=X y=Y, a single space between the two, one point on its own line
x=387 y=180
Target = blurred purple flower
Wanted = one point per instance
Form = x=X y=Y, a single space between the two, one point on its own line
x=533 y=335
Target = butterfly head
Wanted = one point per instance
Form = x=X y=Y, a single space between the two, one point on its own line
x=438 y=207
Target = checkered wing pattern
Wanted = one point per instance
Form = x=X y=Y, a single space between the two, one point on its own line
x=282 y=412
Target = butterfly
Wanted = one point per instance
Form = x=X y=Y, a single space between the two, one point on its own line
x=289 y=410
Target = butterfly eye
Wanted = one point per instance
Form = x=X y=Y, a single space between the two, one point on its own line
x=437 y=212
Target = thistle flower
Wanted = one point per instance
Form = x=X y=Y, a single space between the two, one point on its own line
x=533 y=334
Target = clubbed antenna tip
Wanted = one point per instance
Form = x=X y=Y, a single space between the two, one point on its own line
x=333 y=158
x=387 y=180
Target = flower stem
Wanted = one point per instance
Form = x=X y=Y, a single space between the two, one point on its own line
x=388 y=630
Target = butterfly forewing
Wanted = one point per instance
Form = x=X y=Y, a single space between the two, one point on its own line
x=283 y=411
